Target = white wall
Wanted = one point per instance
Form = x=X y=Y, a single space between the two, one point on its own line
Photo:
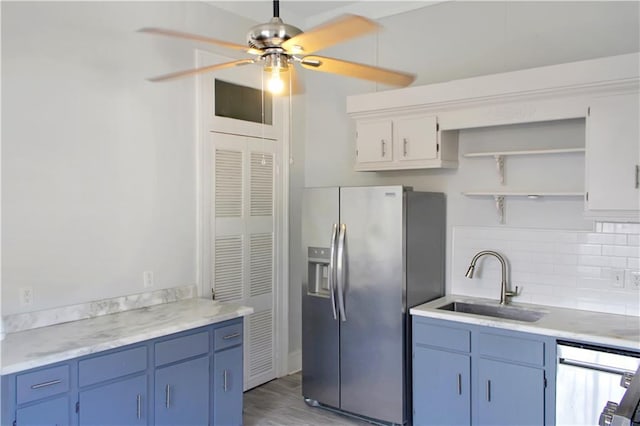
x=455 y=40
x=98 y=165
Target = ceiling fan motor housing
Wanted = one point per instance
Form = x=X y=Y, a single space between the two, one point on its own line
x=271 y=35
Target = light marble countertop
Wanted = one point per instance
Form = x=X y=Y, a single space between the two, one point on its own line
x=41 y=346
x=563 y=323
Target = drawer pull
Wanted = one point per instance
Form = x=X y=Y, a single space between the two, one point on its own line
x=138 y=406
x=45 y=384
x=231 y=336
x=224 y=380
x=459 y=384
x=489 y=390
x=167 y=395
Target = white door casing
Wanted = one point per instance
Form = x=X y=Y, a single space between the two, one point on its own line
x=243 y=225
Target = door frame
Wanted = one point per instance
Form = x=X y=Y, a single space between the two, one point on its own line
x=203 y=108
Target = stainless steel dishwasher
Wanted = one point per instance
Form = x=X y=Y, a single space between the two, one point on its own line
x=587 y=377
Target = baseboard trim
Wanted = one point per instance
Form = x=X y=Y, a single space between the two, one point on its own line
x=295 y=362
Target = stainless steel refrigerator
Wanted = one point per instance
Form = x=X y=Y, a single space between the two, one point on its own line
x=371 y=254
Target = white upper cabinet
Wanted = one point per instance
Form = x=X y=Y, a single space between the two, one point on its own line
x=613 y=153
x=403 y=142
x=374 y=141
x=417 y=138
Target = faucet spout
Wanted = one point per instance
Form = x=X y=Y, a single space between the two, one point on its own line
x=504 y=293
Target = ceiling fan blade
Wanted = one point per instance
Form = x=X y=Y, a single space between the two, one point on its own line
x=195 y=37
x=185 y=73
x=354 y=69
x=338 y=30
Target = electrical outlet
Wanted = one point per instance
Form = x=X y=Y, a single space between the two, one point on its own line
x=633 y=280
x=617 y=278
x=26 y=296
x=147 y=278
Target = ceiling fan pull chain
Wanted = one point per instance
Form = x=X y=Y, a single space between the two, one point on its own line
x=276 y=8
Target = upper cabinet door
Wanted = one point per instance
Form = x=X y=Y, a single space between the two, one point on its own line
x=416 y=138
x=613 y=153
x=374 y=141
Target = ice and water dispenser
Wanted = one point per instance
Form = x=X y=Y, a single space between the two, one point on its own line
x=318 y=264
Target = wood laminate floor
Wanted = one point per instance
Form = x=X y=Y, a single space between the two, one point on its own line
x=280 y=402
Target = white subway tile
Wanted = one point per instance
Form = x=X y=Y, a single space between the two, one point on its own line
x=590 y=249
x=598 y=227
x=627 y=228
x=596 y=238
x=623 y=251
x=633 y=240
x=633 y=263
x=542 y=246
x=608 y=227
x=567 y=237
x=565 y=259
x=593 y=283
x=615 y=262
x=578 y=271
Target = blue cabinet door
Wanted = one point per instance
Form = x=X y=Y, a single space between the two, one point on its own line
x=51 y=412
x=441 y=388
x=509 y=394
x=124 y=402
x=182 y=393
x=227 y=387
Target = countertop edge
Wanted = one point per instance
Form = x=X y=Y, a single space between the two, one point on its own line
x=16 y=367
x=428 y=310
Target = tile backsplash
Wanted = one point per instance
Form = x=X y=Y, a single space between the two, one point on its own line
x=572 y=269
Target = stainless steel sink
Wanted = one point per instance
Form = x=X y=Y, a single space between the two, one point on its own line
x=506 y=312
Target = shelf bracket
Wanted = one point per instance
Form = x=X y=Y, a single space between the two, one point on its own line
x=499 y=199
x=500 y=167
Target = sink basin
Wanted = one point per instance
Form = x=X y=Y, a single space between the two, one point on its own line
x=506 y=312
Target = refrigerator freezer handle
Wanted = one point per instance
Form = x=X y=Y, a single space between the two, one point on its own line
x=340 y=271
x=332 y=270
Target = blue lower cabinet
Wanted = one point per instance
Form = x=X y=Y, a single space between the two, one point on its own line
x=509 y=394
x=467 y=374
x=227 y=390
x=46 y=413
x=179 y=379
x=124 y=402
x=182 y=393
x=441 y=387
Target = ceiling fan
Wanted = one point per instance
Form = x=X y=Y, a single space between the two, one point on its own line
x=278 y=46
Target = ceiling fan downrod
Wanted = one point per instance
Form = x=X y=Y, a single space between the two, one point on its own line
x=276 y=8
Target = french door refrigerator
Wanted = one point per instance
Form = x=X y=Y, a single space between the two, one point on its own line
x=372 y=253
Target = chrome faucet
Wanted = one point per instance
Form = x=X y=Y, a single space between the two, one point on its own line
x=503 y=288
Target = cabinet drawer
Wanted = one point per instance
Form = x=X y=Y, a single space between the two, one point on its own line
x=182 y=347
x=42 y=383
x=457 y=339
x=511 y=348
x=113 y=365
x=228 y=336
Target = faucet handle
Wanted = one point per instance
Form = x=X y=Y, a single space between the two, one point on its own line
x=515 y=293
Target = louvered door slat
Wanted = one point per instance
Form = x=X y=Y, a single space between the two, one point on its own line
x=227 y=268
x=261 y=264
x=260 y=343
x=228 y=188
x=261 y=184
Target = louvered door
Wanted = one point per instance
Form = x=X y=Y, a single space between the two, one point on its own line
x=243 y=242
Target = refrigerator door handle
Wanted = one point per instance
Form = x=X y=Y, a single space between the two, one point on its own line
x=332 y=270
x=340 y=271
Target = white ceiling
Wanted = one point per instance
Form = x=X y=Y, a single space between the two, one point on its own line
x=308 y=13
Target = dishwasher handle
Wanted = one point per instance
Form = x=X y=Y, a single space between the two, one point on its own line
x=596 y=367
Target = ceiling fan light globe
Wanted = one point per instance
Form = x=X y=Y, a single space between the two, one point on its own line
x=275 y=84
